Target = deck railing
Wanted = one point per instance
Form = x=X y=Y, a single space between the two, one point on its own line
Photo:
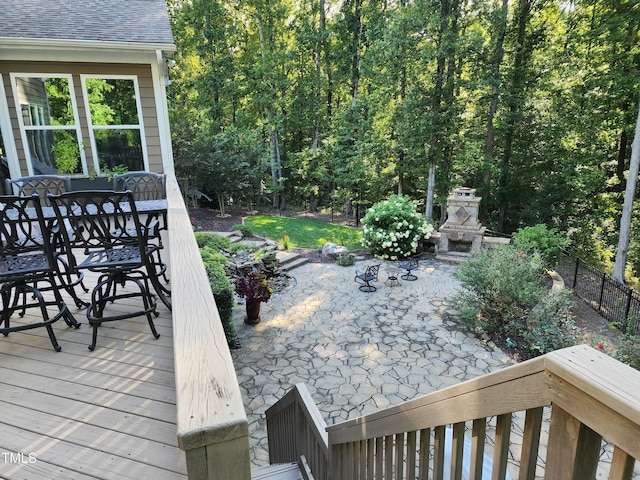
x=296 y=426
x=570 y=409
x=211 y=420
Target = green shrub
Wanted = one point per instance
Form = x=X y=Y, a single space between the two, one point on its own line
x=504 y=295
x=538 y=238
x=550 y=326
x=500 y=286
x=392 y=228
x=212 y=240
x=244 y=229
x=223 y=294
x=211 y=256
x=345 y=259
x=629 y=351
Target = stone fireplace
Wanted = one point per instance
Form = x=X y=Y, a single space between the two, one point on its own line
x=462 y=234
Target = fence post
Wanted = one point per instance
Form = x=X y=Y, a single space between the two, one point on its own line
x=604 y=277
x=626 y=312
x=575 y=274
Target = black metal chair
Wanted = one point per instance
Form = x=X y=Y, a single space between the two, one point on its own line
x=27 y=259
x=43 y=186
x=365 y=278
x=148 y=186
x=409 y=264
x=143 y=185
x=108 y=228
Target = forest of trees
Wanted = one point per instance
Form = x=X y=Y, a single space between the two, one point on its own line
x=320 y=103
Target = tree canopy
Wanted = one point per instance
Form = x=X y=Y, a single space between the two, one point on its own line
x=324 y=103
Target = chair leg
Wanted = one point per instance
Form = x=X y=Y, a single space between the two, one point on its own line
x=94 y=337
x=148 y=302
x=52 y=337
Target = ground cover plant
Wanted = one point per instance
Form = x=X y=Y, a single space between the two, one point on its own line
x=304 y=233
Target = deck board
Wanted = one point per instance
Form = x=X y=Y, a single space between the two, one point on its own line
x=107 y=414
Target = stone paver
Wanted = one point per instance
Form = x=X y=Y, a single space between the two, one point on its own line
x=356 y=352
x=360 y=352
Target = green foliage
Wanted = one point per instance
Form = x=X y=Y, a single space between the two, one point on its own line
x=286 y=241
x=345 y=260
x=393 y=227
x=116 y=170
x=504 y=296
x=67 y=154
x=304 y=233
x=244 y=229
x=533 y=103
x=628 y=351
x=222 y=292
x=212 y=240
x=551 y=325
x=549 y=243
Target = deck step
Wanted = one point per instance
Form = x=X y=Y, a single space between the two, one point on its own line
x=284 y=471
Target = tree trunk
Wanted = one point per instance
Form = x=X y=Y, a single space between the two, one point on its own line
x=627 y=208
x=515 y=95
x=490 y=141
x=436 y=106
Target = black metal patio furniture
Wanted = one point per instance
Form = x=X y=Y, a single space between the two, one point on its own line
x=144 y=186
x=26 y=261
x=409 y=264
x=108 y=228
x=43 y=186
x=147 y=186
x=365 y=278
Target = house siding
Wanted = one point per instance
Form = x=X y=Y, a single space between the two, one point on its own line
x=147 y=100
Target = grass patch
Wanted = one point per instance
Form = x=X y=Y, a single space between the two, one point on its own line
x=305 y=233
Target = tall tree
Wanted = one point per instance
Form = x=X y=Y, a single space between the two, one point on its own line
x=629 y=195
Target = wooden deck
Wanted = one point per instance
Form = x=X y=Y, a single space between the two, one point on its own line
x=76 y=414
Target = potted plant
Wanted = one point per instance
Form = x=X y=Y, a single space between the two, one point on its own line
x=253 y=286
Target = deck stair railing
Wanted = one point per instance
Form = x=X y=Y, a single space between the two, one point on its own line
x=571 y=414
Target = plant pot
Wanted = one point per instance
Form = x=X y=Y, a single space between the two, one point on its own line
x=253 y=312
x=85 y=183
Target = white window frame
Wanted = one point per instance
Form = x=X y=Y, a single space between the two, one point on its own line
x=92 y=127
x=26 y=128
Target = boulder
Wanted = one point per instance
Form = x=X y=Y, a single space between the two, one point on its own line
x=332 y=250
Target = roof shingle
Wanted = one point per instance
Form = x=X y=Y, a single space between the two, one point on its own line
x=130 y=21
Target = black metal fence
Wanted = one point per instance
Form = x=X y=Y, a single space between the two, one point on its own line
x=613 y=300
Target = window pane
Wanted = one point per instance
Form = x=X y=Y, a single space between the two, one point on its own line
x=119 y=147
x=51 y=149
x=112 y=101
x=45 y=101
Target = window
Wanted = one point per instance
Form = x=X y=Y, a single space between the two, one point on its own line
x=115 y=121
x=48 y=120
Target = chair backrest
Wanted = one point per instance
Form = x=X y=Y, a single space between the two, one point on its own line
x=98 y=220
x=143 y=185
x=41 y=185
x=373 y=270
x=22 y=230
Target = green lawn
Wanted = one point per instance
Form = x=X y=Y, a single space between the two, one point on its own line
x=305 y=233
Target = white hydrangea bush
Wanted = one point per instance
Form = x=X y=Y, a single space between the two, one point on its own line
x=393 y=227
